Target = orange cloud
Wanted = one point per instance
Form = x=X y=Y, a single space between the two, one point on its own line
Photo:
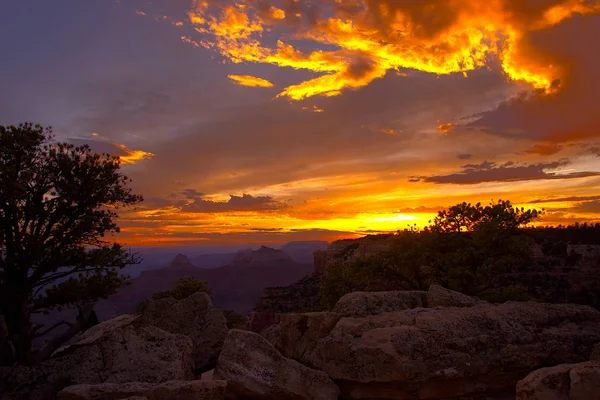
x=365 y=39
x=100 y=144
x=252 y=81
x=445 y=128
x=131 y=156
x=546 y=149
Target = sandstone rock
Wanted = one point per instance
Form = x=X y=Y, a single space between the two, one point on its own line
x=297 y=334
x=260 y=320
x=195 y=317
x=173 y=390
x=451 y=352
x=116 y=351
x=255 y=370
x=126 y=350
x=595 y=353
x=438 y=296
x=585 y=381
x=361 y=304
x=545 y=384
x=562 y=382
x=208 y=375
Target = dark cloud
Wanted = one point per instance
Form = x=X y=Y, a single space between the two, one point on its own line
x=245 y=202
x=99 y=146
x=545 y=149
x=464 y=156
x=569 y=114
x=565 y=198
x=589 y=207
x=489 y=171
x=420 y=209
x=192 y=194
x=274 y=142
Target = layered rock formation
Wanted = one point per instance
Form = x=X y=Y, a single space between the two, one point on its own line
x=195 y=317
x=255 y=370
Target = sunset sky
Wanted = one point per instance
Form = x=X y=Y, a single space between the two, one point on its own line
x=267 y=121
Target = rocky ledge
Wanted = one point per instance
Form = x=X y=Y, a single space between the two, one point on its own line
x=429 y=345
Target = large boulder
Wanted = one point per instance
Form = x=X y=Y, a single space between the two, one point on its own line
x=438 y=296
x=562 y=382
x=255 y=370
x=195 y=317
x=260 y=320
x=297 y=334
x=361 y=304
x=173 y=390
x=595 y=353
x=430 y=353
x=116 y=351
x=125 y=349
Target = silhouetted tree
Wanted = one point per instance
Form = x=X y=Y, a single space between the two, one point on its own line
x=469 y=248
x=475 y=260
x=57 y=203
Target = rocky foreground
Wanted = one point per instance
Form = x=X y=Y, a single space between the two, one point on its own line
x=437 y=344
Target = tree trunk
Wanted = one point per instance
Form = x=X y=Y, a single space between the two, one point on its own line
x=20 y=330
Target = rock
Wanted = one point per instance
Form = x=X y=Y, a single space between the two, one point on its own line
x=195 y=317
x=116 y=351
x=545 y=384
x=297 y=334
x=255 y=370
x=427 y=353
x=173 y=390
x=562 y=382
x=208 y=375
x=438 y=296
x=124 y=349
x=595 y=353
x=585 y=381
x=260 y=320
x=361 y=304
x=298 y=297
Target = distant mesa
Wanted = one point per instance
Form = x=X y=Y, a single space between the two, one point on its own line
x=263 y=254
x=181 y=262
x=237 y=280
